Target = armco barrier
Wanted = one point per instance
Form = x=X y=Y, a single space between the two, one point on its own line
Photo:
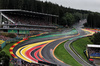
x=9 y=41
x=3 y=44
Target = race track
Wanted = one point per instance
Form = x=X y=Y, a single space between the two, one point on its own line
x=41 y=48
x=33 y=52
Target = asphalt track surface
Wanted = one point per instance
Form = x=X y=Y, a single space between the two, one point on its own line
x=76 y=57
x=23 y=46
x=48 y=55
x=47 y=50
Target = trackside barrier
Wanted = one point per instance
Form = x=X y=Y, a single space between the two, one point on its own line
x=3 y=44
x=10 y=40
x=12 y=47
x=45 y=63
x=19 y=62
x=13 y=40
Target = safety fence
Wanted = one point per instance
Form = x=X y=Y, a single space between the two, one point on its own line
x=10 y=41
x=19 y=62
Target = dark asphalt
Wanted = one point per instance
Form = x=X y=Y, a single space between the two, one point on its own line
x=47 y=54
x=34 y=41
x=74 y=54
x=76 y=57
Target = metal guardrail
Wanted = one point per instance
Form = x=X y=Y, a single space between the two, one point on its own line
x=10 y=40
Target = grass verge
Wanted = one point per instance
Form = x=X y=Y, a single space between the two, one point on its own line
x=80 y=45
x=61 y=53
x=6 y=49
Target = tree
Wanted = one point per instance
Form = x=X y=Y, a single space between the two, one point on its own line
x=69 y=19
x=93 y=20
x=46 y=7
x=4 y=58
x=96 y=38
x=20 y=4
x=79 y=15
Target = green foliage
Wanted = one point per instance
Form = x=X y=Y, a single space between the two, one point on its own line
x=71 y=18
x=96 y=38
x=44 y=7
x=11 y=35
x=78 y=15
x=6 y=49
x=80 y=46
x=4 y=58
x=63 y=55
x=93 y=20
x=68 y=19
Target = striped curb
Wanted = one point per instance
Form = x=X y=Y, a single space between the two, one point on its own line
x=13 y=46
x=58 y=45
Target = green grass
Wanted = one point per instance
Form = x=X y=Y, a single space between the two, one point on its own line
x=10 y=64
x=80 y=45
x=6 y=49
x=64 y=56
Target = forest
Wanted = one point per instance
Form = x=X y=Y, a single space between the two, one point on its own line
x=67 y=16
x=93 y=20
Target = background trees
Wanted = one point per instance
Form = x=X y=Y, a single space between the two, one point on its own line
x=93 y=20
x=95 y=38
x=4 y=59
x=45 y=7
x=68 y=18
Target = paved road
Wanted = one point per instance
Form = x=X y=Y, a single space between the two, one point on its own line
x=54 y=36
x=47 y=50
x=77 y=57
x=48 y=56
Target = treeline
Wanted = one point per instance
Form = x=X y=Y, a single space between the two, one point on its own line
x=4 y=58
x=93 y=20
x=46 y=7
x=95 y=38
